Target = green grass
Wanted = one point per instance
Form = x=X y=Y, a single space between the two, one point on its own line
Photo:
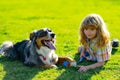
x=20 y=17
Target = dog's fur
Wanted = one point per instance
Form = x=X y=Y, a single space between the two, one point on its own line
x=34 y=51
x=39 y=50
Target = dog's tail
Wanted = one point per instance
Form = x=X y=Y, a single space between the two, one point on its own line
x=5 y=46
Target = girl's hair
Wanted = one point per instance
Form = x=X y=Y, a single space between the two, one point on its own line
x=96 y=21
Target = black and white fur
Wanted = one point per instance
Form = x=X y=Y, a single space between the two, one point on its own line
x=34 y=51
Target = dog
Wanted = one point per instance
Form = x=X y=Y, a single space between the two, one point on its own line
x=38 y=50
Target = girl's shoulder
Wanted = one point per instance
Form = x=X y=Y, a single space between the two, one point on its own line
x=107 y=48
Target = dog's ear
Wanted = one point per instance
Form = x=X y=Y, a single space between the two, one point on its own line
x=33 y=34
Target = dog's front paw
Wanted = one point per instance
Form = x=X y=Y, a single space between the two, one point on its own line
x=74 y=64
x=53 y=66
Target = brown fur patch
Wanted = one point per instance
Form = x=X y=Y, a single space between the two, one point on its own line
x=62 y=59
x=38 y=41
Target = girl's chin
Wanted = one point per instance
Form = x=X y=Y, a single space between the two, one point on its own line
x=89 y=37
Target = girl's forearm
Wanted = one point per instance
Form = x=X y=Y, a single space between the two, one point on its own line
x=92 y=66
x=82 y=52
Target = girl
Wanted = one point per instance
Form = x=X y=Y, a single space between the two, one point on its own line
x=95 y=40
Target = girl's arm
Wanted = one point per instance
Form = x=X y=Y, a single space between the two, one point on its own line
x=82 y=52
x=92 y=66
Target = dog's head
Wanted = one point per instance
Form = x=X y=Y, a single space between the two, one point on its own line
x=43 y=37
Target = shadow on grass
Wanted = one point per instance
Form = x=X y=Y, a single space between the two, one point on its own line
x=15 y=70
x=71 y=73
x=114 y=50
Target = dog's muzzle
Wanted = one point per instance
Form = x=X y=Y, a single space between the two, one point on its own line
x=49 y=44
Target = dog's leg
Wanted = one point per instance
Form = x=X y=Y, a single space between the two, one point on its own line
x=62 y=59
x=5 y=46
x=7 y=49
x=29 y=61
x=70 y=60
x=54 y=59
x=30 y=64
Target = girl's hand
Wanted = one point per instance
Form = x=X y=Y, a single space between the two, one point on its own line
x=92 y=66
x=83 y=69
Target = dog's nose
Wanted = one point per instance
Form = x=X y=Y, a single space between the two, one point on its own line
x=52 y=35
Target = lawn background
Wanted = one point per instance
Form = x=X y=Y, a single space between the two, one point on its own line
x=20 y=17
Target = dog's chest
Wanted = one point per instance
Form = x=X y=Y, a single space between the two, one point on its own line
x=46 y=55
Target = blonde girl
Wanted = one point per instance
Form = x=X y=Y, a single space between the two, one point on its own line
x=95 y=40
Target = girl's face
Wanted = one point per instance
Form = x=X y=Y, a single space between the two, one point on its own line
x=90 y=32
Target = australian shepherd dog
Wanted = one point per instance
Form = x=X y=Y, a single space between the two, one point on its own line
x=39 y=50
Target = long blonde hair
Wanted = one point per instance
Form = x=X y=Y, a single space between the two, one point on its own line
x=103 y=36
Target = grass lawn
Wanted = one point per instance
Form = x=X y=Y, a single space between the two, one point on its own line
x=20 y=17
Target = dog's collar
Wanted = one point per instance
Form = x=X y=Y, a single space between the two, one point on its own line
x=44 y=58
